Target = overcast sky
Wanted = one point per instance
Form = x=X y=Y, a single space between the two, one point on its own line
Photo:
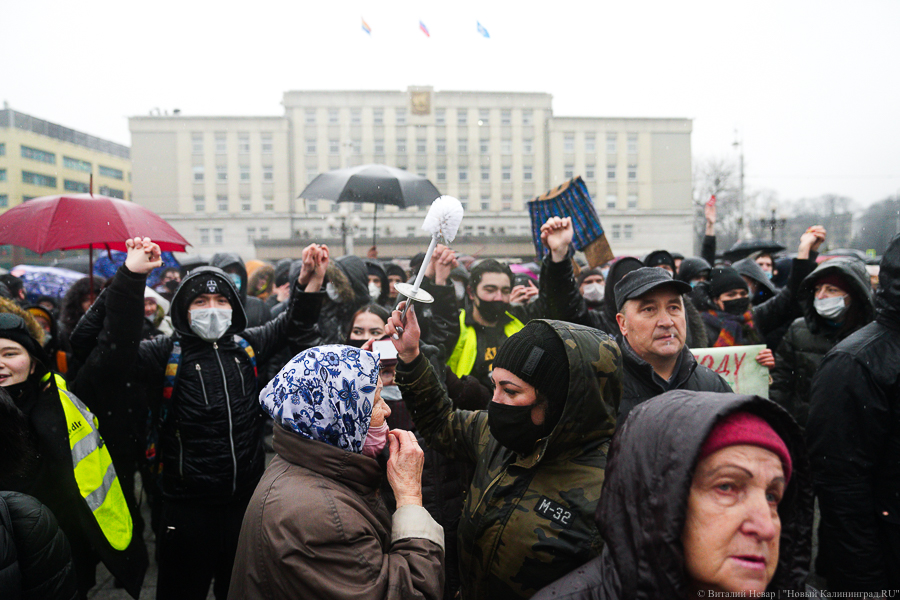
x=811 y=87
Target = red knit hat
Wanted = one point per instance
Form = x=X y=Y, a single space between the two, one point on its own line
x=744 y=428
x=835 y=280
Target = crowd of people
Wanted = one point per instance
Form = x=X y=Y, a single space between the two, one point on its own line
x=544 y=433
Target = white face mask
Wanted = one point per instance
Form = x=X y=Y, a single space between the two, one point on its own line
x=831 y=308
x=210 y=323
x=460 y=288
x=594 y=292
x=332 y=293
x=374 y=290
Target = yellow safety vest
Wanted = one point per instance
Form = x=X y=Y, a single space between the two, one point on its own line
x=94 y=472
x=464 y=354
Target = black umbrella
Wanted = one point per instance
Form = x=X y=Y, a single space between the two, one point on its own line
x=745 y=248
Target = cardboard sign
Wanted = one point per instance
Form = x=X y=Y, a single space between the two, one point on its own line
x=737 y=365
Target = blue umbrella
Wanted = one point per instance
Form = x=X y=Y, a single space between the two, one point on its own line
x=108 y=263
x=45 y=281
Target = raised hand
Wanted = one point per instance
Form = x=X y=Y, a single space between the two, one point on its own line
x=556 y=234
x=522 y=294
x=810 y=241
x=442 y=262
x=405 y=336
x=142 y=255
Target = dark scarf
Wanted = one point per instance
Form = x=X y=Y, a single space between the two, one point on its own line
x=734 y=330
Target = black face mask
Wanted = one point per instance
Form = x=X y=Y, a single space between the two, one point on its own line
x=492 y=310
x=356 y=343
x=736 y=307
x=513 y=428
x=172 y=285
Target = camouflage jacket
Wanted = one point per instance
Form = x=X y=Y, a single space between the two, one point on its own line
x=527 y=520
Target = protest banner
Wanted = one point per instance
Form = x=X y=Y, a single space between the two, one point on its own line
x=737 y=365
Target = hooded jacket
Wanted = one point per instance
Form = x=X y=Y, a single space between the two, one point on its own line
x=257 y=311
x=642 y=511
x=349 y=278
x=810 y=337
x=527 y=519
x=384 y=298
x=853 y=434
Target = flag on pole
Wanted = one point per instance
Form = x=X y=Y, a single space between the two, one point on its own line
x=424 y=29
x=366 y=27
x=482 y=30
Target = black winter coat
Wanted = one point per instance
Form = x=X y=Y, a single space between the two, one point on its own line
x=35 y=557
x=853 y=434
x=810 y=337
x=641 y=383
x=211 y=442
x=642 y=510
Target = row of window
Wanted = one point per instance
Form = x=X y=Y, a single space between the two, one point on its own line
x=68 y=162
x=590 y=143
x=222 y=204
x=622 y=231
x=378 y=148
x=222 y=174
x=221 y=143
x=440 y=116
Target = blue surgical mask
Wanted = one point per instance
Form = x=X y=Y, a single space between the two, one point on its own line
x=236 y=280
x=769 y=274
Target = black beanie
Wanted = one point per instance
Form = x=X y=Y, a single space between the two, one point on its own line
x=725 y=279
x=537 y=355
x=13 y=327
x=282 y=272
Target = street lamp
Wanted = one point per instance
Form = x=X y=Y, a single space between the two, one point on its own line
x=344 y=225
x=743 y=226
x=772 y=223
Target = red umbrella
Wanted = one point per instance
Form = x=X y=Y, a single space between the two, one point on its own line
x=74 y=221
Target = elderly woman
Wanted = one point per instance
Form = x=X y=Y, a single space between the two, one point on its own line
x=316 y=526
x=705 y=493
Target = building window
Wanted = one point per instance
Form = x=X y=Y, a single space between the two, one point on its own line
x=616 y=231
x=506 y=117
x=440 y=116
x=198 y=173
x=464 y=201
x=441 y=146
x=632 y=172
x=506 y=203
x=68 y=184
x=569 y=142
x=610 y=172
x=2 y=174
x=2 y=149
x=401 y=146
x=243 y=143
x=485 y=173
x=421 y=171
x=35 y=154
x=222 y=203
x=590 y=144
x=311 y=174
x=632 y=143
x=197 y=143
x=570 y=171
x=506 y=173
x=356 y=146
x=589 y=172
x=334 y=147
x=245 y=173
x=218 y=238
x=199 y=204
x=312 y=206
x=527 y=173
x=627 y=231
x=401 y=116
x=421 y=146
x=378 y=116
x=221 y=173
x=310 y=116
x=485 y=204
x=484 y=117
x=379 y=147
x=333 y=116
x=355 y=116
x=110 y=172
x=611 y=200
x=263 y=233
x=245 y=204
x=38 y=179
x=268 y=173
x=527 y=117
x=251 y=234
x=484 y=146
x=310 y=146
x=528 y=146
x=505 y=146
x=611 y=143
x=463 y=146
x=4 y=198
x=442 y=173
x=221 y=144
x=112 y=193
x=410 y=231
x=462 y=116
x=632 y=201
x=268 y=204
x=266 y=143
x=482 y=230
x=204 y=236
x=463 y=174
x=76 y=165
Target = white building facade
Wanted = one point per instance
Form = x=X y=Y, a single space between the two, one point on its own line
x=235 y=183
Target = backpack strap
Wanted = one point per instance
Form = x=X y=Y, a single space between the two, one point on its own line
x=250 y=352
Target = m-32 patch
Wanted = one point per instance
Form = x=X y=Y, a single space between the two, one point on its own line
x=554 y=511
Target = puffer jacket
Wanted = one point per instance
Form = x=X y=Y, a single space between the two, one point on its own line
x=258 y=312
x=642 y=383
x=211 y=442
x=642 y=512
x=853 y=434
x=527 y=520
x=349 y=278
x=316 y=527
x=810 y=337
x=35 y=557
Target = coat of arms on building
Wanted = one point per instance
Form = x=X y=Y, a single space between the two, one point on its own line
x=420 y=103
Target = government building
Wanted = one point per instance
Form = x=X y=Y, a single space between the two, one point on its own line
x=236 y=183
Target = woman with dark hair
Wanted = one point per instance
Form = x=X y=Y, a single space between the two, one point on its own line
x=706 y=494
x=75 y=303
x=367 y=323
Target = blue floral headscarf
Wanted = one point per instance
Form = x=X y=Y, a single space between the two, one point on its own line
x=325 y=394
